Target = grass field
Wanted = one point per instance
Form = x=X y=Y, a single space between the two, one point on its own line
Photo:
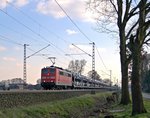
x=126 y=111
x=86 y=106
x=77 y=107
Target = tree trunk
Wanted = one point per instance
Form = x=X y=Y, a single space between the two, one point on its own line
x=125 y=99
x=137 y=99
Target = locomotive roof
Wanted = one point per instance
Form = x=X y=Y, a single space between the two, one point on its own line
x=57 y=67
x=53 y=67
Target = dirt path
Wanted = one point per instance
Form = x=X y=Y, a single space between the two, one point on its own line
x=146 y=95
x=101 y=110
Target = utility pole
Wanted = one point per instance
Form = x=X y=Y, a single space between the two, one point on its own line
x=93 y=61
x=25 y=58
x=93 y=58
x=24 y=65
x=110 y=76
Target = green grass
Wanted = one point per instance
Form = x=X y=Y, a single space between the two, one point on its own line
x=127 y=109
x=77 y=107
x=73 y=107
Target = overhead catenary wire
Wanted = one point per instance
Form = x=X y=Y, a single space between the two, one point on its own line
x=11 y=41
x=46 y=29
x=35 y=21
x=3 y=38
x=73 y=22
x=32 y=19
x=18 y=32
x=35 y=33
x=54 y=34
x=42 y=25
x=82 y=50
x=32 y=31
x=101 y=58
x=38 y=51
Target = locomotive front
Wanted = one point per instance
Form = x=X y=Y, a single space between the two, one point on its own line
x=48 y=77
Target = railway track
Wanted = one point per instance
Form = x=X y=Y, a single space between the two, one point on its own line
x=40 y=91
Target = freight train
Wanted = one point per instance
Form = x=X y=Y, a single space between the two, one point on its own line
x=58 y=78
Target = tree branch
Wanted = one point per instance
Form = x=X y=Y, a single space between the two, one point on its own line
x=128 y=4
x=131 y=29
x=132 y=12
x=114 y=6
x=119 y=2
x=146 y=37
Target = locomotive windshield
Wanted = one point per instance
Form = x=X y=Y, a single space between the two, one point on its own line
x=52 y=70
x=45 y=70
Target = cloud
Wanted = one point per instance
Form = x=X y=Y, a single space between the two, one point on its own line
x=76 y=9
x=18 y=3
x=11 y=59
x=3 y=3
x=2 y=48
x=71 y=32
x=50 y=8
x=21 y=3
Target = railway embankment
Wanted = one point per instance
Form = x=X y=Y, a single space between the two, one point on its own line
x=85 y=106
x=13 y=99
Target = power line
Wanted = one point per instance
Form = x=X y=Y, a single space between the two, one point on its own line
x=80 y=31
x=82 y=50
x=38 y=22
x=37 y=51
x=33 y=20
x=101 y=58
x=32 y=30
x=14 y=42
x=10 y=41
x=38 y=34
x=73 y=22
x=8 y=28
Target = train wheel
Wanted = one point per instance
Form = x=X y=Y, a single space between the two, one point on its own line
x=53 y=88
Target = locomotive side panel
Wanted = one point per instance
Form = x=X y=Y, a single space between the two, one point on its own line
x=63 y=78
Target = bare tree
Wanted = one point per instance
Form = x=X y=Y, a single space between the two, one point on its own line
x=97 y=76
x=131 y=17
x=77 y=66
x=114 y=17
x=137 y=41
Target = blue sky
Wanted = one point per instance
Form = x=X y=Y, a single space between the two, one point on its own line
x=41 y=22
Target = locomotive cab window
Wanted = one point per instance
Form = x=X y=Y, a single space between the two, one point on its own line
x=52 y=70
x=45 y=71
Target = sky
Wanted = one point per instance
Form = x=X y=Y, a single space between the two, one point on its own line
x=39 y=23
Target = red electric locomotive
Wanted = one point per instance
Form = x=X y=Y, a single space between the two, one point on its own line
x=55 y=78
